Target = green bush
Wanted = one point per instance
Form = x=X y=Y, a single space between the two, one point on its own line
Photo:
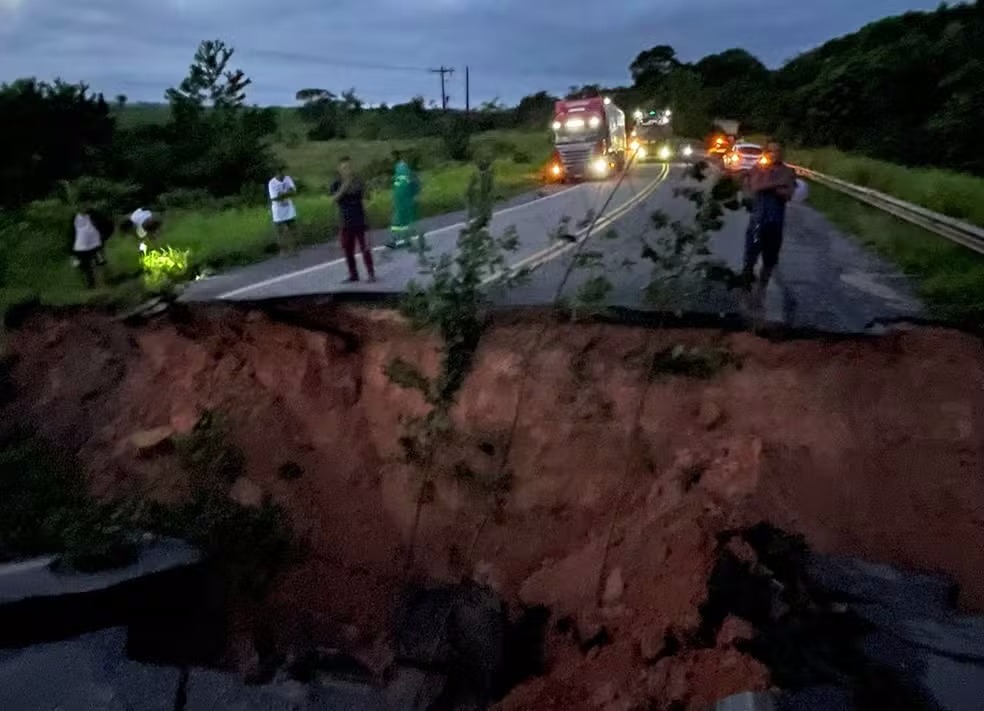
x=165 y=267
x=457 y=139
x=45 y=508
x=248 y=544
x=101 y=194
x=186 y=198
x=38 y=236
x=208 y=454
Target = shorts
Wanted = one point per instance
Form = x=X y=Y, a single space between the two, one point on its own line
x=770 y=242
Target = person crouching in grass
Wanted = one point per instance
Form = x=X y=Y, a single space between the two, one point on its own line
x=144 y=223
x=347 y=192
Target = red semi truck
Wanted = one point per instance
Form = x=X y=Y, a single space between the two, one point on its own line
x=589 y=139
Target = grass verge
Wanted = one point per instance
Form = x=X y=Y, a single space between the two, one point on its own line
x=39 y=269
x=950 y=278
x=957 y=195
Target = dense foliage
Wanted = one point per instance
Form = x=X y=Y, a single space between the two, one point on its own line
x=908 y=89
x=49 y=132
x=59 y=140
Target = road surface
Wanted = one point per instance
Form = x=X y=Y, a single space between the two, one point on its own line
x=825 y=280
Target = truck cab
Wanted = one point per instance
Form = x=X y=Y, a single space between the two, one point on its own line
x=590 y=139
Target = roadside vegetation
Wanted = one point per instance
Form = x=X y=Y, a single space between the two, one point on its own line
x=46 y=509
x=203 y=157
x=202 y=161
x=949 y=277
x=957 y=195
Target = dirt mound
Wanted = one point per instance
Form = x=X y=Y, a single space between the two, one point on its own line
x=870 y=447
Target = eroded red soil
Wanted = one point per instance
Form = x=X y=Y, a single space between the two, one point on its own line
x=869 y=447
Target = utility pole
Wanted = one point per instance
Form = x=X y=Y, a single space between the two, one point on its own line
x=443 y=71
x=467 y=91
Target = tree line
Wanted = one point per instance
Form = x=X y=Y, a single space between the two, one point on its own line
x=61 y=139
x=908 y=89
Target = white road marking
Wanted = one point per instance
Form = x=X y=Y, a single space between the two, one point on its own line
x=335 y=262
x=864 y=281
x=537 y=260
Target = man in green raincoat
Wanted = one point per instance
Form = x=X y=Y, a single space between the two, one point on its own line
x=405 y=188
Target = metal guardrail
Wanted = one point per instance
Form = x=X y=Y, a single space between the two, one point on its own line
x=963 y=233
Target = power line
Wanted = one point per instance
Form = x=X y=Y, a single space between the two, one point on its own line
x=311 y=59
x=444 y=94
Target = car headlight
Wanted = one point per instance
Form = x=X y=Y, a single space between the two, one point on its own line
x=688 y=151
x=600 y=166
x=641 y=153
x=665 y=153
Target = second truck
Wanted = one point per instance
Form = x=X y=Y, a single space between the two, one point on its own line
x=590 y=139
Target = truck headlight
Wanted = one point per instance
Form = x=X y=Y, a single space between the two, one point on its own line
x=595 y=122
x=556 y=170
x=600 y=166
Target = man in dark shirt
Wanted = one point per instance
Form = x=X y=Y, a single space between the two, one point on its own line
x=347 y=192
x=773 y=184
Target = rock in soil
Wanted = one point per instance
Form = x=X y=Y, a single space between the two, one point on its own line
x=247 y=492
x=147 y=443
x=734 y=630
x=653 y=644
x=710 y=415
x=614 y=588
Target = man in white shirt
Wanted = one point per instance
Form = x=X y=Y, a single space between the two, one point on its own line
x=88 y=232
x=281 y=189
x=145 y=223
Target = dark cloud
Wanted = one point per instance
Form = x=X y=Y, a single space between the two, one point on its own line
x=384 y=47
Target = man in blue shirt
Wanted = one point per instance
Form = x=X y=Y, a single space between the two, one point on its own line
x=773 y=184
x=347 y=192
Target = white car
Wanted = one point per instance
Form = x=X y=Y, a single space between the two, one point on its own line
x=743 y=157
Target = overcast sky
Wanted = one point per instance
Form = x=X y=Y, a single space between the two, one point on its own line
x=384 y=47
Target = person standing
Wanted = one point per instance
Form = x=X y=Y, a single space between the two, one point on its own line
x=348 y=192
x=773 y=184
x=405 y=189
x=88 y=233
x=282 y=189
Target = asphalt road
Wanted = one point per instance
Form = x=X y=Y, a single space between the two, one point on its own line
x=825 y=280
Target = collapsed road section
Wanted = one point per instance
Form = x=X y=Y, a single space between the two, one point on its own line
x=632 y=510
